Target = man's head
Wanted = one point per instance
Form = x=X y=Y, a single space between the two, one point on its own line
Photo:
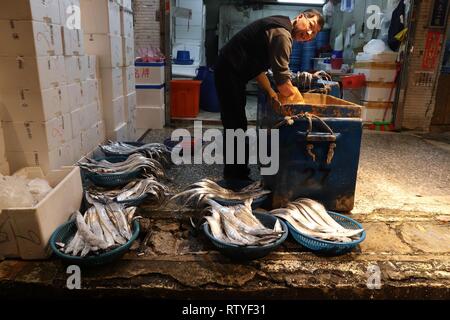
x=307 y=24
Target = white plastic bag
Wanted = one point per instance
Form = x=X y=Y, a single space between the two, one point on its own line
x=375 y=46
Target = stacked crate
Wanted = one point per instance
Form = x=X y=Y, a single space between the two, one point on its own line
x=380 y=71
x=150 y=86
x=35 y=110
x=128 y=71
x=4 y=165
x=82 y=85
x=100 y=20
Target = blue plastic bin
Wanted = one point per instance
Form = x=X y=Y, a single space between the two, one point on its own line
x=330 y=182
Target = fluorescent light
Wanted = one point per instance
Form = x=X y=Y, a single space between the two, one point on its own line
x=303 y=2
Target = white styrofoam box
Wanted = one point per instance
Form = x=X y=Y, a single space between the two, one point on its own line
x=196 y=9
x=386 y=56
x=4 y=169
x=67 y=127
x=29 y=38
x=379 y=91
x=100 y=16
x=92 y=114
x=34 y=136
x=80 y=120
x=37 y=73
x=189 y=33
x=129 y=83
x=128 y=51
x=377 y=71
x=76 y=68
x=43 y=10
x=130 y=105
x=150 y=117
x=76 y=148
x=126 y=23
x=68 y=11
x=77 y=97
x=114 y=114
x=126 y=4
x=112 y=84
x=150 y=73
x=150 y=95
x=73 y=43
x=90 y=89
x=120 y=133
x=92 y=67
x=21 y=105
x=108 y=48
x=376 y=111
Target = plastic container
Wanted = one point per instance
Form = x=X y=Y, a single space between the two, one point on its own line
x=329 y=247
x=354 y=81
x=323 y=38
x=295 y=60
x=208 y=94
x=185 y=98
x=249 y=252
x=67 y=230
x=336 y=63
x=308 y=53
x=329 y=176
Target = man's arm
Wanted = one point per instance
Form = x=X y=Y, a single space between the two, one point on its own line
x=264 y=83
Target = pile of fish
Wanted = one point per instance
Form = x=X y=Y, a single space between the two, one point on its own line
x=237 y=225
x=133 y=163
x=102 y=228
x=135 y=190
x=156 y=151
x=311 y=218
x=304 y=81
x=204 y=189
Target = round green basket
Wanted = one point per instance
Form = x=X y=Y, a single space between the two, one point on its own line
x=67 y=231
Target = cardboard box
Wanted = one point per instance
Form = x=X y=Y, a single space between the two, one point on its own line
x=73 y=41
x=76 y=148
x=150 y=95
x=128 y=80
x=100 y=16
x=76 y=68
x=128 y=52
x=92 y=67
x=2 y=146
x=34 y=136
x=150 y=117
x=376 y=111
x=80 y=120
x=108 y=48
x=92 y=114
x=90 y=89
x=68 y=11
x=67 y=127
x=4 y=170
x=377 y=71
x=33 y=73
x=77 y=97
x=126 y=23
x=43 y=10
x=379 y=91
x=31 y=228
x=126 y=4
x=112 y=84
x=29 y=38
x=115 y=114
x=21 y=105
x=150 y=73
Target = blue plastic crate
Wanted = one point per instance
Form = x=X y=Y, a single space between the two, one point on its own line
x=330 y=182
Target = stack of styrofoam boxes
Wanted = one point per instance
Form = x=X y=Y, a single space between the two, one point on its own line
x=34 y=109
x=380 y=72
x=127 y=33
x=82 y=86
x=4 y=165
x=100 y=20
x=150 y=85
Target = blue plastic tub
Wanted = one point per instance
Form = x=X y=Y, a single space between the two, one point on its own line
x=330 y=182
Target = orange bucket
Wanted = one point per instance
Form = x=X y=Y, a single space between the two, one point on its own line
x=184 y=98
